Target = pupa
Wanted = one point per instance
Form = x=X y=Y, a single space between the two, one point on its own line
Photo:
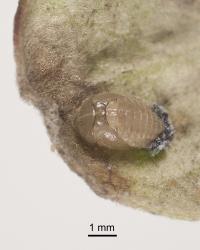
x=119 y=123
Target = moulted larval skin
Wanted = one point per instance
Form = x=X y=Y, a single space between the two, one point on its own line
x=68 y=50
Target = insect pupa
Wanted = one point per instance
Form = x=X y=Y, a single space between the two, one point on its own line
x=118 y=122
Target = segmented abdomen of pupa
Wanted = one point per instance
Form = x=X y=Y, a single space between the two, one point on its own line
x=135 y=122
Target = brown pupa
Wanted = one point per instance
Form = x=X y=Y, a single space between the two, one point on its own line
x=118 y=122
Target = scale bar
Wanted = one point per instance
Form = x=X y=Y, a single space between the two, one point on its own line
x=102 y=235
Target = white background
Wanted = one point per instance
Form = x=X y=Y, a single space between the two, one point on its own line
x=43 y=205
